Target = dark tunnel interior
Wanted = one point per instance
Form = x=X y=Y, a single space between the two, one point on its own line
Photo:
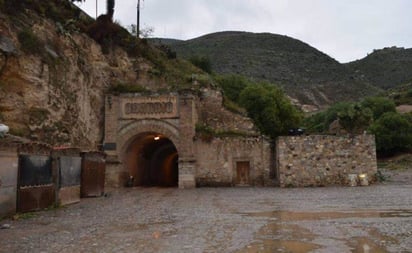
x=152 y=160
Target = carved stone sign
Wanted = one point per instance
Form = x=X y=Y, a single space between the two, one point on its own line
x=149 y=107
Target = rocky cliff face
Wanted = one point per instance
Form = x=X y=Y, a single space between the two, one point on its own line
x=53 y=80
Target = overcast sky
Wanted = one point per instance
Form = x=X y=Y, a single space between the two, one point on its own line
x=344 y=29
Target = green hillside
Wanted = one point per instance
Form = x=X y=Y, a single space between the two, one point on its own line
x=306 y=74
x=385 y=68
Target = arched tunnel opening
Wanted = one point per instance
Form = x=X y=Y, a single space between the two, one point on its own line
x=152 y=160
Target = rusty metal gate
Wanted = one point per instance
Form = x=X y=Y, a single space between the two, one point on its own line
x=93 y=174
x=69 y=180
x=35 y=183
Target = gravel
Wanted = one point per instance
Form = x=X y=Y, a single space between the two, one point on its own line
x=376 y=218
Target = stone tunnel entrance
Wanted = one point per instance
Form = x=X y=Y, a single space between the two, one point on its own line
x=152 y=159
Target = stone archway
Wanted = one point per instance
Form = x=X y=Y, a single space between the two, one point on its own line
x=151 y=159
x=132 y=117
x=149 y=152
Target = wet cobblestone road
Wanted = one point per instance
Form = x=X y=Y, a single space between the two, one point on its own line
x=358 y=219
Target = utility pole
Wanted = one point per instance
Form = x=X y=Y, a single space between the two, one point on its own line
x=96 y=9
x=138 y=19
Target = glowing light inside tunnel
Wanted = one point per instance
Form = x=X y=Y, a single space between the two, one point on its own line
x=152 y=160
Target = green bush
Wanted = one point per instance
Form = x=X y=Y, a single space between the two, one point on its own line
x=355 y=119
x=393 y=133
x=232 y=85
x=202 y=62
x=379 y=105
x=270 y=109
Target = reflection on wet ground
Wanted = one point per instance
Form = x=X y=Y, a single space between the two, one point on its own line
x=298 y=216
x=284 y=232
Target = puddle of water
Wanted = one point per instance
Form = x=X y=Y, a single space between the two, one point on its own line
x=300 y=216
x=269 y=246
x=365 y=245
x=282 y=236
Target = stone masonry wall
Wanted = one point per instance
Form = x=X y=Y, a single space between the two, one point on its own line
x=319 y=160
x=216 y=161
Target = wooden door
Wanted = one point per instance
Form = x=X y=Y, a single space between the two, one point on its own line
x=242 y=173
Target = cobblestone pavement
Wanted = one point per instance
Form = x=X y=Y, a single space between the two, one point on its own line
x=377 y=218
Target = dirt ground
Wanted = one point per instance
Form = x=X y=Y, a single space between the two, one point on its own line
x=375 y=218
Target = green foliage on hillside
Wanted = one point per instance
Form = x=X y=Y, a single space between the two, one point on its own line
x=376 y=115
x=379 y=106
x=401 y=95
x=385 y=68
x=265 y=103
x=356 y=118
x=304 y=72
x=202 y=62
x=393 y=132
x=232 y=85
x=352 y=117
x=270 y=109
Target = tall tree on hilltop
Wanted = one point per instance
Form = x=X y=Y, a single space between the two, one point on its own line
x=109 y=6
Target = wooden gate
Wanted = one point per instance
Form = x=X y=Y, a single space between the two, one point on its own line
x=93 y=174
x=35 y=183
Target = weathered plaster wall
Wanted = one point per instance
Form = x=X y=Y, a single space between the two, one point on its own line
x=320 y=160
x=8 y=180
x=216 y=161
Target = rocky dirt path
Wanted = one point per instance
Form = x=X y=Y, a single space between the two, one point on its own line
x=377 y=218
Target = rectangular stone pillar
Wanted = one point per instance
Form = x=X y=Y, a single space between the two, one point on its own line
x=112 y=111
x=187 y=173
x=187 y=122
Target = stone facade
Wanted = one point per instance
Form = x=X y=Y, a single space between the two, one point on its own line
x=173 y=116
x=131 y=120
x=218 y=162
x=216 y=147
x=319 y=160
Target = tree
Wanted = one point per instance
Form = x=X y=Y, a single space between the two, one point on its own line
x=270 y=109
x=393 y=133
x=202 y=62
x=355 y=119
x=109 y=6
x=232 y=85
x=379 y=106
x=352 y=117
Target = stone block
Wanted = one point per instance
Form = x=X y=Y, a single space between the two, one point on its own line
x=187 y=181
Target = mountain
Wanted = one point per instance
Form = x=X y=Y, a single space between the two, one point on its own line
x=385 y=68
x=305 y=73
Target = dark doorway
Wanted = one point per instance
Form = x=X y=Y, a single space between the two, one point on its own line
x=152 y=160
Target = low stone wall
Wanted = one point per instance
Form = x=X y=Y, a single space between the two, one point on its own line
x=320 y=160
x=217 y=162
